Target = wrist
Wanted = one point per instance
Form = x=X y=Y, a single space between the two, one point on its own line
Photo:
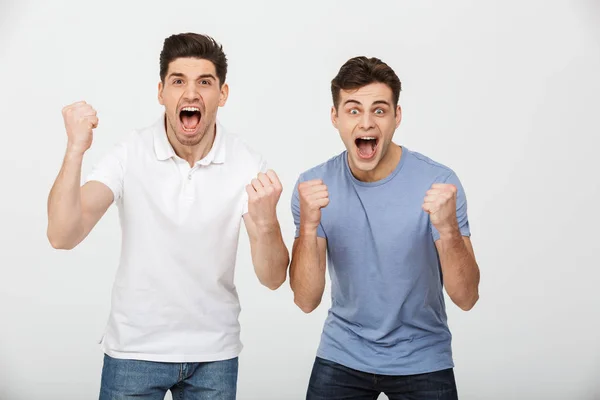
x=308 y=230
x=74 y=152
x=268 y=226
x=451 y=233
x=74 y=155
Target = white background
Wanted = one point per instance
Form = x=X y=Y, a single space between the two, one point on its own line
x=507 y=93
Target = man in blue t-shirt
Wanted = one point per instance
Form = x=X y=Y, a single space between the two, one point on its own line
x=393 y=225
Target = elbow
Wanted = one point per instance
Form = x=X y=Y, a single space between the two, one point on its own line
x=273 y=284
x=306 y=306
x=466 y=304
x=59 y=243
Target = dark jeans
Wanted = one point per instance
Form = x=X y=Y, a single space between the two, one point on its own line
x=332 y=381
x=132 y=379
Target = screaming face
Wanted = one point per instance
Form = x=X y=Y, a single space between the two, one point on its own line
x=366 y=119
x=191 y=94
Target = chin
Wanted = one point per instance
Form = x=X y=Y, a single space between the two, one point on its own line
x=366 y=166
x=187 y=140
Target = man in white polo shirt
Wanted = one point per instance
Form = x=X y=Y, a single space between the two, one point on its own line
x=182 y=187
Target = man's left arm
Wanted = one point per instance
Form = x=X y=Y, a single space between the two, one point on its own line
x=446 y=205
x=270 y=255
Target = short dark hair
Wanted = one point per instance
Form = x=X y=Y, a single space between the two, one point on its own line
x=193 y=45
x=361 y=71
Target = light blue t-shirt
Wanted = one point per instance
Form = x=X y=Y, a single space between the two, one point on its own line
x=388 y=314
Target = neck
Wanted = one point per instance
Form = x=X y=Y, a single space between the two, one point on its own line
x=197 y=152
x=384 y=168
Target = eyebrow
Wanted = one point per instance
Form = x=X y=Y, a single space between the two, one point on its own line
x=180 y=75
x=352 y=101
x=360 y=104
x=382 y=102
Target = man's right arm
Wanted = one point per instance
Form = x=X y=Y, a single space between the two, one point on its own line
x=74 y=210
x=307 y=271
x=308 y=265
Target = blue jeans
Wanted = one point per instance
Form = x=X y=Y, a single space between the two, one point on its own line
x=333 y=381
x=146 y=380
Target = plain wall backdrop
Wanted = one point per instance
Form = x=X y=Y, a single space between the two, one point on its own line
x=506 y=93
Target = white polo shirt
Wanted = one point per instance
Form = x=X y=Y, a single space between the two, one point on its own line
x=174 y=298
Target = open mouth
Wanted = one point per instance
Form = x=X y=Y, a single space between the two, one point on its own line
x=190 y=118
x=366 y=146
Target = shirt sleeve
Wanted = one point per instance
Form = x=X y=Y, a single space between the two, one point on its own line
x=295 y=206
x=110 y=170
x=461 y=208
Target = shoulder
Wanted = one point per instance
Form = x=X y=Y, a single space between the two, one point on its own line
x=327 y=170
x=428 y=168
x=238 y=150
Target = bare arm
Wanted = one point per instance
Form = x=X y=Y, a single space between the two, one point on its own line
x=270 y=255
x=307 y=270
x=460 y=269
x=73 y=210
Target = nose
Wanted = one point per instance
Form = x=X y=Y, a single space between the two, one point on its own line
x=367 y=121
x=192 y=93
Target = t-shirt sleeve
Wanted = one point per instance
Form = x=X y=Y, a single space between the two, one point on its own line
x=461 y=208
x=263 y=167
x=110 y=170
x=295 y=205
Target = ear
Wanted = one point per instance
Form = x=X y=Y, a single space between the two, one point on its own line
x=160 y=96
x=398 y=115
x=334 y=117
x=224 y=94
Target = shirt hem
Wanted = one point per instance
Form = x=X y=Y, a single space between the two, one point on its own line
x=388 y=372
x=224 y=355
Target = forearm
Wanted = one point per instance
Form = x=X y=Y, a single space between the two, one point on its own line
x=460 y=270
x=270 y=256
x=307 y=272
x=65 y=222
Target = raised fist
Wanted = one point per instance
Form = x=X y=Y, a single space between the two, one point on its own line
x=80 y=118
x=313 y=197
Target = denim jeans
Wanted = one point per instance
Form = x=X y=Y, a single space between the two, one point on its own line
x=146 y=380
x=332 y=381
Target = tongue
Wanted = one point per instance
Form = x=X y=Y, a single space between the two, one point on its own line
x=366 y=148
x=190 y=121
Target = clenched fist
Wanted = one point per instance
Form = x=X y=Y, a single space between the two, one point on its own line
x=313 y=197
x=263 y=195
x=440 y=204
x=80 y=118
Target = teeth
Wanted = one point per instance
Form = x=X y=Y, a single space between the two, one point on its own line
x=192 y=109
x=367 y=138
